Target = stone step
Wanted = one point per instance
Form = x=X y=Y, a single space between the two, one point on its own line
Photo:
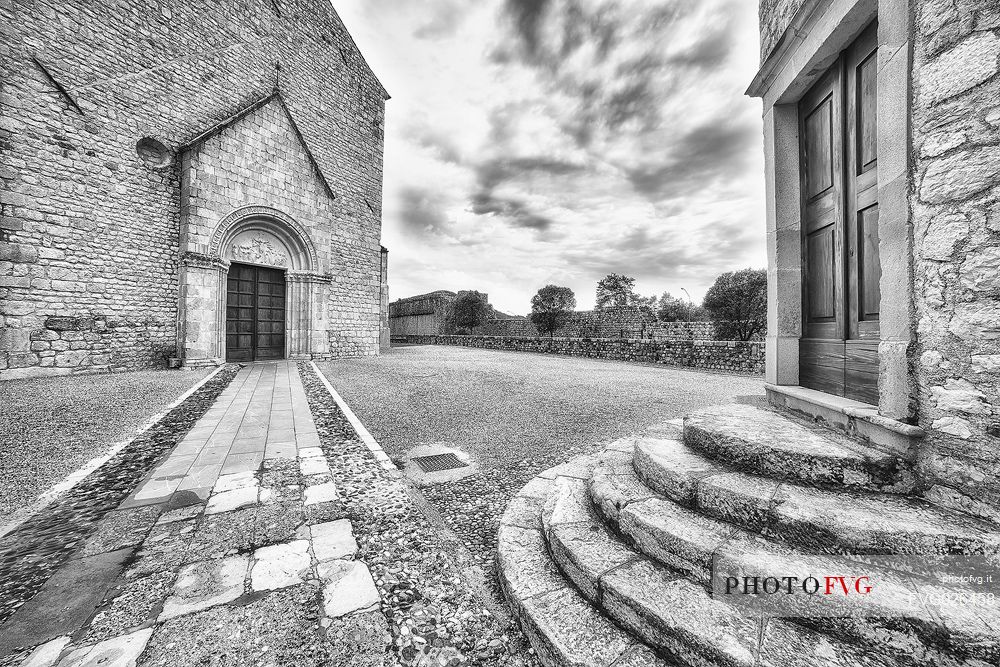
x=671 y=613
x=562 y=626
x=693 y=543
x=778 y=446
x=820 y=520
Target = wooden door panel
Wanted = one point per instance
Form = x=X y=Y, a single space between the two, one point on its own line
x=821 y=365
x=255 y=313
x=861 y=371
x=869 y=266
x=239 y=320
x=270 y=314
x=838 y=131
x=821 y=275
x=822 y=213
x=865 y=79
x=863 y=261
x=819 y=148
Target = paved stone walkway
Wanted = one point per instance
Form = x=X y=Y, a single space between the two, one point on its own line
x=234 y=547
x=262 y=415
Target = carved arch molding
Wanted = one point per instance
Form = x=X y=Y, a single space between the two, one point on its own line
x=264 y=235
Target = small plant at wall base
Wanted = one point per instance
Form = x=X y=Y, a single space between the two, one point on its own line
x=551 y=308
x=468 y=311
x=737 y=304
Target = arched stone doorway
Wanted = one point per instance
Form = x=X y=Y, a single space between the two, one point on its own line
x=274 y=263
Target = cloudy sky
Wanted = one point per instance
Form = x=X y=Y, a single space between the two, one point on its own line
x=554 y=141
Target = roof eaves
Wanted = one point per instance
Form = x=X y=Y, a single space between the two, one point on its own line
x=228 y=122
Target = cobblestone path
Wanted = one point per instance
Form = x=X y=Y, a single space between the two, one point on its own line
x=259 y=530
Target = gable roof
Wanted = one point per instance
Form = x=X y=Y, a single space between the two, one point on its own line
x=245 y=111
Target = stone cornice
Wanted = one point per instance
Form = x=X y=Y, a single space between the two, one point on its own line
x=806 y=15
x=201 y=260
x=307 y=277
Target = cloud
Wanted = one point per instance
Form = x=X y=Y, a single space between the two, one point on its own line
x=444 y=22
x=515 y=211
x=554 y=141
x=699 y=158
x=425 y=214
x=527 y=18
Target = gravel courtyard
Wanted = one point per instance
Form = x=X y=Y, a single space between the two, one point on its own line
x=515 y=414
x=49 y=427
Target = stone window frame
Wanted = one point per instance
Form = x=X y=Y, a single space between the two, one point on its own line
x=819 y=31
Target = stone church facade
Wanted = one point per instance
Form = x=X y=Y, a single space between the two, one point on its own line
x=187 y=183
x=882 y=145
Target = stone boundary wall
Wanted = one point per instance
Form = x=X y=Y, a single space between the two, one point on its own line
x=721 y=355
x=588 y=324
x=624 y=322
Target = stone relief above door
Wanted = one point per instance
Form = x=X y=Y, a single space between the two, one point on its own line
x=256 y=246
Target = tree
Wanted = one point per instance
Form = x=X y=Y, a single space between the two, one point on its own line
x=737 y=303
x=468 y=311
x=552 y=307
x=616 y=291
x=675 y=309
x=646 y=304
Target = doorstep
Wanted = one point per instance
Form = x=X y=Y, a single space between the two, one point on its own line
x=859 y=419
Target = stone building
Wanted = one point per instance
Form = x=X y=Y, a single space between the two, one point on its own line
x=196 y=182
x=881 y=133
x=420 y=315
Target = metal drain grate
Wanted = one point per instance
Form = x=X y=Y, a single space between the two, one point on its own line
x=439 y=462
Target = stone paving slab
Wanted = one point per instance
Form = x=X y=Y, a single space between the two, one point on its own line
x=281 y=565
x=333 y=539
x=66 y=601
x=121 y=651
x=206 y=584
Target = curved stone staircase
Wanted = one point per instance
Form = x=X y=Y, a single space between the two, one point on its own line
x=608 y=559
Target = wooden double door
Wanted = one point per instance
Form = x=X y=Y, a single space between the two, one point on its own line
x=838 y=352
x=255 y=313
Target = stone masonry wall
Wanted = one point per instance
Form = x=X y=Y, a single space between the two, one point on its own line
x=955 y=204
x=775 y=15
x=88 y=230
x=729 y=356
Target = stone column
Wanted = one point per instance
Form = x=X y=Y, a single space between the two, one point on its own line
x=298 y=333
x=320 y=287
x=784 y=244
x=305 y=328
x=201 y=310
x=896 y=388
